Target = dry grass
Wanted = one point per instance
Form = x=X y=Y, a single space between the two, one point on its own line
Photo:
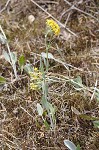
x=21 y=127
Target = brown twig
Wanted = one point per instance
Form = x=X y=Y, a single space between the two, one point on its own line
x=73 y=7
x=7 y=3
x=47 y=2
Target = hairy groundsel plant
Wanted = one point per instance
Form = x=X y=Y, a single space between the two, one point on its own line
x=38 y=78
x=53 y=29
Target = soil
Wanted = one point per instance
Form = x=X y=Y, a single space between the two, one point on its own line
x=21 y=127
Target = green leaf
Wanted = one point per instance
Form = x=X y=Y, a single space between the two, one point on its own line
x=6 y=56
x=96 y=124
x=51 y=108
x=43 y=101
x=44 y=55
x=28 y=68
x=2 y=39
x=39 y=109
x=77 y=83
x=97 y=95
x=2 y=80
x=21 y=60
x=37 y=123
x=86 y=117
x=78 y=147
x=13 y=57
x=44 y=88
x=70 y=145
x=46 y=124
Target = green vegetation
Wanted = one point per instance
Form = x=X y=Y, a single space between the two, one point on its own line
x=49 y=91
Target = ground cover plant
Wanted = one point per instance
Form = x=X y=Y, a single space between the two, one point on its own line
x=49 y=75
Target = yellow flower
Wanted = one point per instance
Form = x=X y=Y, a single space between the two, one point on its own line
x=35 y=79
x=33 y=86
x=35 y=69
x=54 y=26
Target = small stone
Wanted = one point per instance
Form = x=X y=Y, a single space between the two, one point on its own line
x=31 y=19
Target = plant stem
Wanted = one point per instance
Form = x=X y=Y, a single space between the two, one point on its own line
x=13 y=65
x=47 y=49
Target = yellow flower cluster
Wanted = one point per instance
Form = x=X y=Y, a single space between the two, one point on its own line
x=53 y=26
x=35 y=79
